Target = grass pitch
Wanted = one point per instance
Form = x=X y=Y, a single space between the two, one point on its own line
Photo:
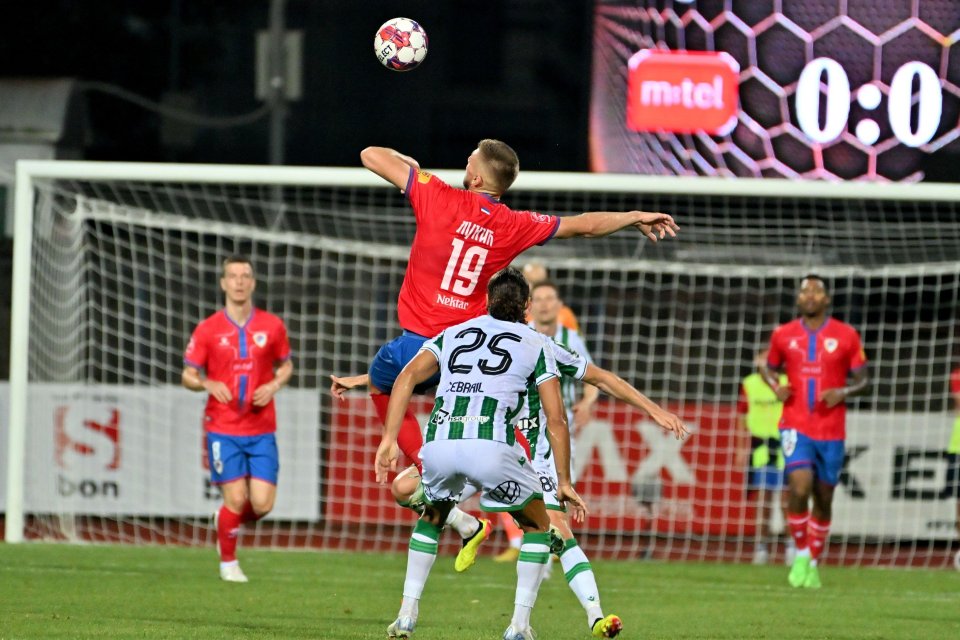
x=60 y=591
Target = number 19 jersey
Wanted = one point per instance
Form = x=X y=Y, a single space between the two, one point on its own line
x=486 y=366
x=462 y=239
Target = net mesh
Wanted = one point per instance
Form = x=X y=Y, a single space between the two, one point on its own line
x=123 y=271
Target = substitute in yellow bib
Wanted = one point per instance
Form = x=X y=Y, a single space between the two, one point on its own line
x=758 y=448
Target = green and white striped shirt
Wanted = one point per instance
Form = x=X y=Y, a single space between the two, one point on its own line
x=486 y=368
x=572 y=366
x=572 y=340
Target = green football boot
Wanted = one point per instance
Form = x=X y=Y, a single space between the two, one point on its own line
x=812 y=581
x=799 y=570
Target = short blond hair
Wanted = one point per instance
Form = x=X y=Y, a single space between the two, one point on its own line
x=501 y=160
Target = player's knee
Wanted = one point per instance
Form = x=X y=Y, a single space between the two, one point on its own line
x=560 y=522
x=262 y=506
x=234 y=499
x=405 y=485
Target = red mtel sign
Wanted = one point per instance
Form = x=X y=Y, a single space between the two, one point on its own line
x=683 y=91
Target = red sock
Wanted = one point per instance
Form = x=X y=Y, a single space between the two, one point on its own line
x=817 y=532
x=798 y=528
x=228 y=526
x=514 y=533
x=410 y=439
x=249 y=515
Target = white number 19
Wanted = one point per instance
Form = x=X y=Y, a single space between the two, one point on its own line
x=469 y=271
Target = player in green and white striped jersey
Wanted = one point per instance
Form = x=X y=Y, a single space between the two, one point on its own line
x=545 y=306
x=576 y=566
x=575 y=367
x=486 y=366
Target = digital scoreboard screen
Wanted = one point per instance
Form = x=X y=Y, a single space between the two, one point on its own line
x=812 y=89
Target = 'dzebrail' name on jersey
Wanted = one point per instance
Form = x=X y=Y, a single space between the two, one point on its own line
x=476 y=233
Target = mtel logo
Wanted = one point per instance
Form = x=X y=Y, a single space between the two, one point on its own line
x=90 y=438
x=683 y=91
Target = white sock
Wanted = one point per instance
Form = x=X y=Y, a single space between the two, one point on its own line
x=803 y=553
x=534 y=554
x=232 y=563
x=420 y=557
x=579 y=575
x=409 y=608
x=463 y=523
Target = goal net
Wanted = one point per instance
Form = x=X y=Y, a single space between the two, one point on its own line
x=116 y=264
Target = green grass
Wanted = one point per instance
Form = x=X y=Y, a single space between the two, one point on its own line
x=60 y=591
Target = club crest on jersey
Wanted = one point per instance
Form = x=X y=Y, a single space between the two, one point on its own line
x=830 y=344
x=260 y=339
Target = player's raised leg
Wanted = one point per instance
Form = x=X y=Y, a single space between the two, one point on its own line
x=407 y=489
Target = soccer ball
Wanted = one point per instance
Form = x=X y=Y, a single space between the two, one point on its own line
x=400 y=44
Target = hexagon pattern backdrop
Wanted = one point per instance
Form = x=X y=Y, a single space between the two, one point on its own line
x=876 y=84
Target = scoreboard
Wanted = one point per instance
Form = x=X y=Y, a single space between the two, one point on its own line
x=814 y=89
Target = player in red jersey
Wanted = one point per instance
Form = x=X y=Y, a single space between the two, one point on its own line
x=463 y=237
x=818 y=354
x=241 y=357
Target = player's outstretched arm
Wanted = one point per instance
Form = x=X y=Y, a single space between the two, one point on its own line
x=620 y=389
x=559 y=436
x=339 y=386
x=595 y=224
x=418 y=370
x=392 y=166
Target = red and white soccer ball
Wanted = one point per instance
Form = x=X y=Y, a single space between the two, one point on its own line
x=400 y=44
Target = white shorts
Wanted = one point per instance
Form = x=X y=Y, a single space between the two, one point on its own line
x=501 y=473
x=547 y=473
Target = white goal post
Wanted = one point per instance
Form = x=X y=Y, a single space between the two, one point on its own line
x=114 y=263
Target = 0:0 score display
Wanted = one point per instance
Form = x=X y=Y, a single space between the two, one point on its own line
x=829 y=76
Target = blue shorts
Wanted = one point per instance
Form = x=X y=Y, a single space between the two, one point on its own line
x=765 y=478
x=824 y=456
x=235 y=457
x=393 y=357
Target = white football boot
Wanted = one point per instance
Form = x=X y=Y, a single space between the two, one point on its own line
x=402 y=627
x=231 y=572
x=512 y=633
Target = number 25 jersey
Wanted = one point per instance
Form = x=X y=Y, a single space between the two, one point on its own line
x=486 y=366
x=462 y=239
